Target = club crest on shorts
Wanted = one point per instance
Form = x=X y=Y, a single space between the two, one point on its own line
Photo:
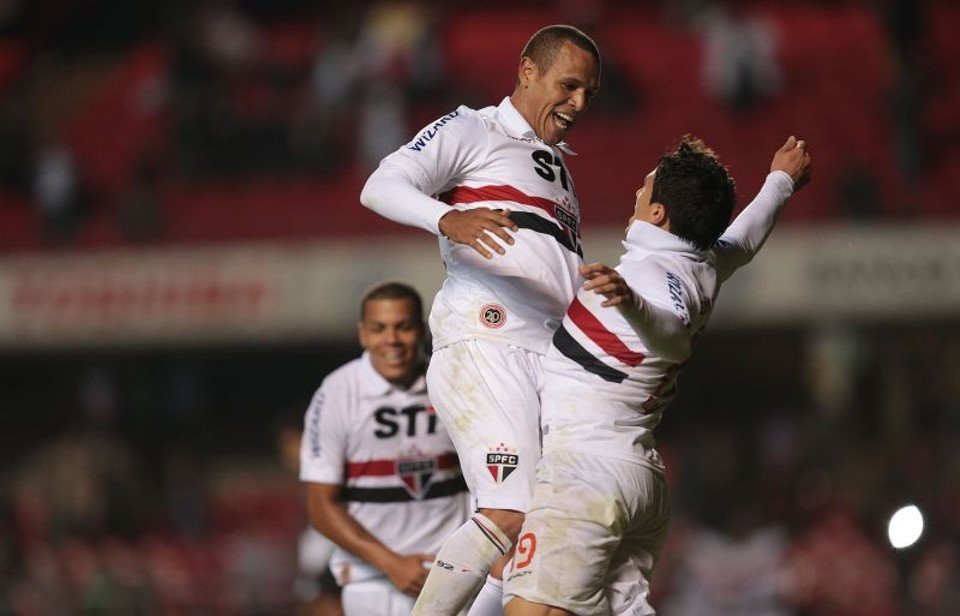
x=416 y=472
x=493 y=316
x=501 y=462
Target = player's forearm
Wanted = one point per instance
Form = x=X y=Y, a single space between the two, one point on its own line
x=390 y=193
x=334 y=522
x=751 y=228
x=661 y=330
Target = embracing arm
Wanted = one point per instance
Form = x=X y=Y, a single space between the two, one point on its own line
x=401 y=187
x=393 y=194
x=662 y=331
x=329 y=515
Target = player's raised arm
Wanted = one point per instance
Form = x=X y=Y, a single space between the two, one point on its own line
x=789 y=172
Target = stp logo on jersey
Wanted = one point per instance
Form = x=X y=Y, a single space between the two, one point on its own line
x=501 y=462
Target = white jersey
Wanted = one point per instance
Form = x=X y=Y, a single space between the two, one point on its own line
x=608 y=376
x=400 y=475
x=489 y=158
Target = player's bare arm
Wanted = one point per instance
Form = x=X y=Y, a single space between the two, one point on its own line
x=329 y=516
x=794 y=160
x=479 y=228
x=606 y=281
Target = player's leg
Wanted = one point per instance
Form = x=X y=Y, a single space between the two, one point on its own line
x=486 y=394
x=628 y=584
x=571 y=533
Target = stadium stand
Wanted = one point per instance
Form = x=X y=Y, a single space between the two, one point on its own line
x=838 y=78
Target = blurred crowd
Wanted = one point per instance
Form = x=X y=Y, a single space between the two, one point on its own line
x=247 y=88
x=781 y=499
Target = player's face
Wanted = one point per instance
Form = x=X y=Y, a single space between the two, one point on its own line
x=392 y=332
x=642 y=209
x=554 y=100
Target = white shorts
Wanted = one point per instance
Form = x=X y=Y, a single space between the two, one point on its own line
x=376 y=597
x=591 y=536
x=488 y=396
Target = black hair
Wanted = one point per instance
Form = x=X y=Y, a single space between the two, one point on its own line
x=393 y=289
x=696 y=191
x=544 y=46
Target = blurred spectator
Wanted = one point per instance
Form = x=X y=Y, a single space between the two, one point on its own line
x=858 y=195
x=740 y=55
x=734 y=570
x=835 y=569
x=57 y=188
x=140 y=213
x=15 y=167
x=934 y=582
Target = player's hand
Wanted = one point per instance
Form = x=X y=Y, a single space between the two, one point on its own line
x=408 y=574
x=608 y=282
x=482 y=228
x=794 y=159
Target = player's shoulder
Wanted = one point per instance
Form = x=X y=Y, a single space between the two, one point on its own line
x=345 y=377
x=456 y=124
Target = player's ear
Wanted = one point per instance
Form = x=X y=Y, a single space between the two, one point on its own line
x=527 y=71
x=658 y=214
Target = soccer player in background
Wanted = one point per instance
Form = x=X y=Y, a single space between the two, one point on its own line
x=383 y=481
x=600 y=510
x=493 y=185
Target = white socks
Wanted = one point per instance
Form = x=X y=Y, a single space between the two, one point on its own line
x=490 y=600
x=460 y=567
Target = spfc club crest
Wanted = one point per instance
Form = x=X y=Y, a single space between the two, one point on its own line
x=501 y=462
x=416 y=474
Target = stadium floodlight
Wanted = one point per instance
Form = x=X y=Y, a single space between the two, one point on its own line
x=905 y=527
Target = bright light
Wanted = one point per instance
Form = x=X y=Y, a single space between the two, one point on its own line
x=905 y=527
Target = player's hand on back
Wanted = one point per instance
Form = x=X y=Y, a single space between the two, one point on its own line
x=793 y=159
x=606 y=281
x=483 y=229
x=407 y=572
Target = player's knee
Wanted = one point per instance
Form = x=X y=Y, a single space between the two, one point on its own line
x=509 y=522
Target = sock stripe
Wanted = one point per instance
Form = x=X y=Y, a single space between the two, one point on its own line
x=491 y=535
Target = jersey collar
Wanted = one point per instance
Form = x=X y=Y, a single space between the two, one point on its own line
x=377 y=385
x=643 y=237
x=516 y=123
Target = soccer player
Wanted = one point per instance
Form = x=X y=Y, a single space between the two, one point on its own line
x=493 y=184
x=383 y=481
x=600 y=509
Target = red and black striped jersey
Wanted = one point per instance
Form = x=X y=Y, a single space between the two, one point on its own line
x=388 y=450
x=490 y=158
x=610 y=373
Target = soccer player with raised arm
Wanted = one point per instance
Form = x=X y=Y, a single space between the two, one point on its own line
x=599 y=514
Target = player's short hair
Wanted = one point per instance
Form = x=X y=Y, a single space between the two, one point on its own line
x=392 y=289
x=544 y=46
x=697 y=192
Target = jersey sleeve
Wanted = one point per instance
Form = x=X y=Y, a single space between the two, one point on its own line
x=747 y=234
x=323 y=445
x=664 y=330
x=401 y=188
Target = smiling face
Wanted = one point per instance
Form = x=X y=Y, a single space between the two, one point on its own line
x=552 y=101
x=392 y=331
